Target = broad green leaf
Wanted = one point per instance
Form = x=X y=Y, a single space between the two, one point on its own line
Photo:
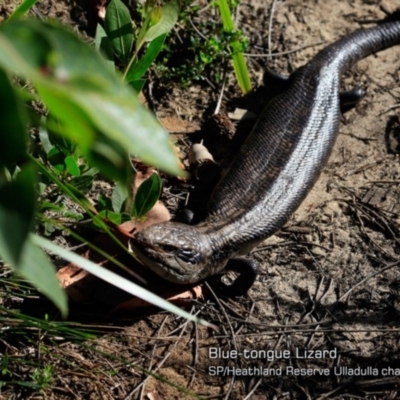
x=118 y=26
x=72 y=166
x=137 y=70
x=116 y=280
x=36 y=268
x=146 y=196
x=73 y=124
x=17 y=205
x=22 y=9
x=79 y=89
x=83 y=183
x=108 y=215
x=49 y=228
x=13 y=138
x=115 y=218
x=136 y=132
x=23 y=51
x=56 y=159
x=169 y=16
x=44 y=136
x=110 y=158
x=62 y=142
x=103 y=45
x=104 y=203
x=119 y=195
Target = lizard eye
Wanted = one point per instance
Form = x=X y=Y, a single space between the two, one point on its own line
x=168 y=248
x=189 y=256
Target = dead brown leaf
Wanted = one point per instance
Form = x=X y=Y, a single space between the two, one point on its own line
x=175 y=124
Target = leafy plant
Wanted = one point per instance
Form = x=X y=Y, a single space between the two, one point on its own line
x=120 y=40
x=204 y=50
x=117 y=208
x=43 y=377
x=93 y=122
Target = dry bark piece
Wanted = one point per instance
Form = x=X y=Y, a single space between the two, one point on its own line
x=79 y=285
x=374 y=196
x=393 y=135
x=241 y=114
x=153 y=395
x=202 y=163
x=220 y=124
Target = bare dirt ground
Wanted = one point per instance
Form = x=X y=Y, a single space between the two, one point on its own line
x=329 y=279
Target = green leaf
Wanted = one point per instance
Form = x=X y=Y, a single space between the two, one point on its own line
x=35 y=267
x=110 y=158
x=62 y=142
x=17 y=205
x=72 y=166
x=79 y=89
x=44 y=136
x=118 y=26
x=13 y=138
x=169 y=16
x=45 y=205
x=73 y=214
x=22 y=9
x=103 y=45
x=49 y=228
x=115 y=218
x=23 y=50
x=137 y=70
x=72 y=123
x=56 y=159
x=83 y=183
x=147 y=195
x=119 y=195
x=104 y=203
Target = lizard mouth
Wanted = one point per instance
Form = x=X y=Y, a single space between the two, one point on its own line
x=153 y=259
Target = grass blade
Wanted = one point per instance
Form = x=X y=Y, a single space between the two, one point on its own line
x=22 y=9
x=116 y=280
x=239 y=62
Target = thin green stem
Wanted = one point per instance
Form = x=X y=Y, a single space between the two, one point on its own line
x=239 y=62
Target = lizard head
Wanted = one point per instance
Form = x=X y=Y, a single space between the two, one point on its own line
x=176 y=252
